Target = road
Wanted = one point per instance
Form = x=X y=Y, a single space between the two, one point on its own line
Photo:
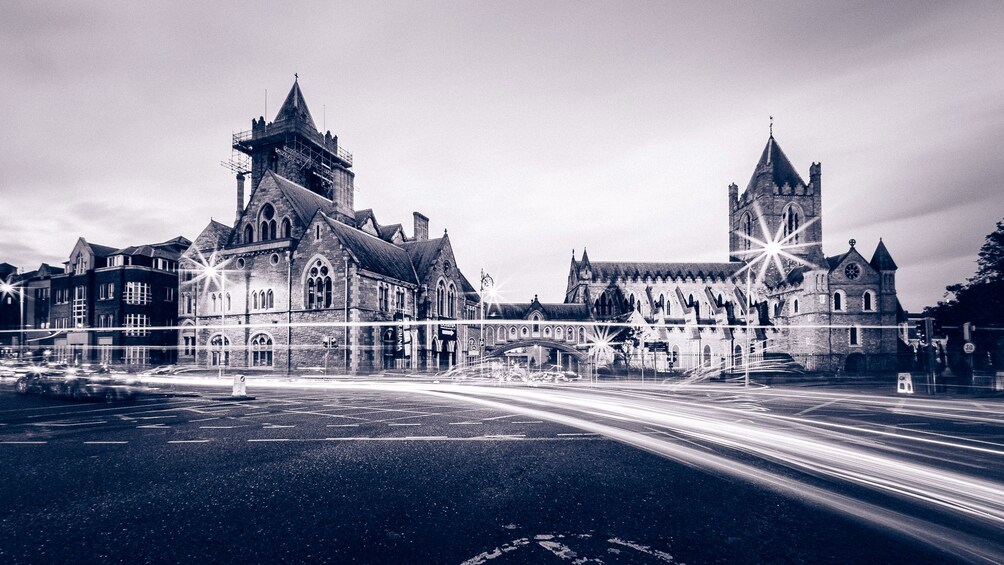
x=422 y=472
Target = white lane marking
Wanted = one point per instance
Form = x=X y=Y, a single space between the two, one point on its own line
x=404 y=424
x=105 y=442
x=153 y=427
x=217 y=427
x=255 y=414
x=188 y=441
x=342 y=426
x=465 y=423
x=156 y=417
x=205 y=419
x=277 y=426
x=817 y=407
x=267 y=439
x=322 y=414
x=528 y=422
x=504 y=436
x=500 y=417
x=578 y=434
x=67 y=425
x=23 y=442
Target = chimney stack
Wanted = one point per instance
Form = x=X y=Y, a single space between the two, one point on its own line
x=421 y=227
x=240 y=198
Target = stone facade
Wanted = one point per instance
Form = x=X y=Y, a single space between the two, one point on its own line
x=308 y=283
x=833 y=314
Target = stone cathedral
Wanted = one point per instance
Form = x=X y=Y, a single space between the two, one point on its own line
x=834 y=313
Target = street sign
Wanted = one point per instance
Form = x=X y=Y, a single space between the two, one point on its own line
x=969 y=347
x=904 y=384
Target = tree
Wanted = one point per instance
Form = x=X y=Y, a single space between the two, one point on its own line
x=979 y=300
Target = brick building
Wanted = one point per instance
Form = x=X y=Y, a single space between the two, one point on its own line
x=111 y=305
x=308 y=281
x=836 y=313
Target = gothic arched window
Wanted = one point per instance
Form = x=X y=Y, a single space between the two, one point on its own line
x=318 y=285
x=441 y=299
x=287 y=229
x=248 y=234
x=451 y=298
x=791 y=220
x=261 y=351
x=868 y=301
x=266 y=220
x=746 y=228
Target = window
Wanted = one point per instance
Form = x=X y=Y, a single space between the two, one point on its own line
x=79 y=306
x=383 y=297
x=266 y=222
x=137 y=293
x=269 y=299
x=746 y=229
x=707 y=355
x=791 y=220
x=80 y=267
x=136 y=356
x=261 y=351
x=853 y=337
x=169 y=294
x=794 y=306
x=451 y=297
x=228 y=302
x=441 y=299
x=116 y=261
x=287 y=229
x=163 y=264
x=318 y=287
x=188 y=347
x=135 y=323
x=218 y=351
x=248 y=234
x=536 y=325
x=187 y=300
x=868 y=301
x=838 y=301
x=399 y=300
x=604 y=306
x=213 y=298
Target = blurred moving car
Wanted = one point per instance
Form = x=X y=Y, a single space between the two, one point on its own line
x=78 y=383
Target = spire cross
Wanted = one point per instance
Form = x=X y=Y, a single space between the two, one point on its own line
x=296 y=77
x=772 y=126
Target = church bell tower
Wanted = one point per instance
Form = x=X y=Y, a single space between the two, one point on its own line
x=292 y=147
x=777 y=197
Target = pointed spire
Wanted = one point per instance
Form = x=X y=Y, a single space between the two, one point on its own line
x=585 y=257
x=775 y=163
x=295 y=107
x=881 y=259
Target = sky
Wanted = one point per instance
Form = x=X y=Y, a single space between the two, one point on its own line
x=527 y=129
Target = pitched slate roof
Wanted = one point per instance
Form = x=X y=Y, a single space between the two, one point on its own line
x=423 y=254
x=835 y=260
x=374 y=254
x=881 y=259
x=214 y=236
x=387 y=232
x=774 y=162
x=7 y=269
x=101 y=250
x=552 y=311
x=609 y=269
x=305 y=202
x=295 y=107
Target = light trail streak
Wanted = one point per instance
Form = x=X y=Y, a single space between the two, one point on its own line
x=807 y=459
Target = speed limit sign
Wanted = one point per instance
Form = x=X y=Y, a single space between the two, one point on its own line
x=969 y=347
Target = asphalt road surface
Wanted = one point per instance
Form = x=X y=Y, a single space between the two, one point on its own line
x=433 y=474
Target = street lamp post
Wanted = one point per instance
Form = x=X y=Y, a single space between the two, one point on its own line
x=746 y=353
x=8 y=289
x=486 y=280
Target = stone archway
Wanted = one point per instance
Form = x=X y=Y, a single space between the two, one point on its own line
x=855 y=364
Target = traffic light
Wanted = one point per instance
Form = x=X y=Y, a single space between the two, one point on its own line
x=921 y=327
